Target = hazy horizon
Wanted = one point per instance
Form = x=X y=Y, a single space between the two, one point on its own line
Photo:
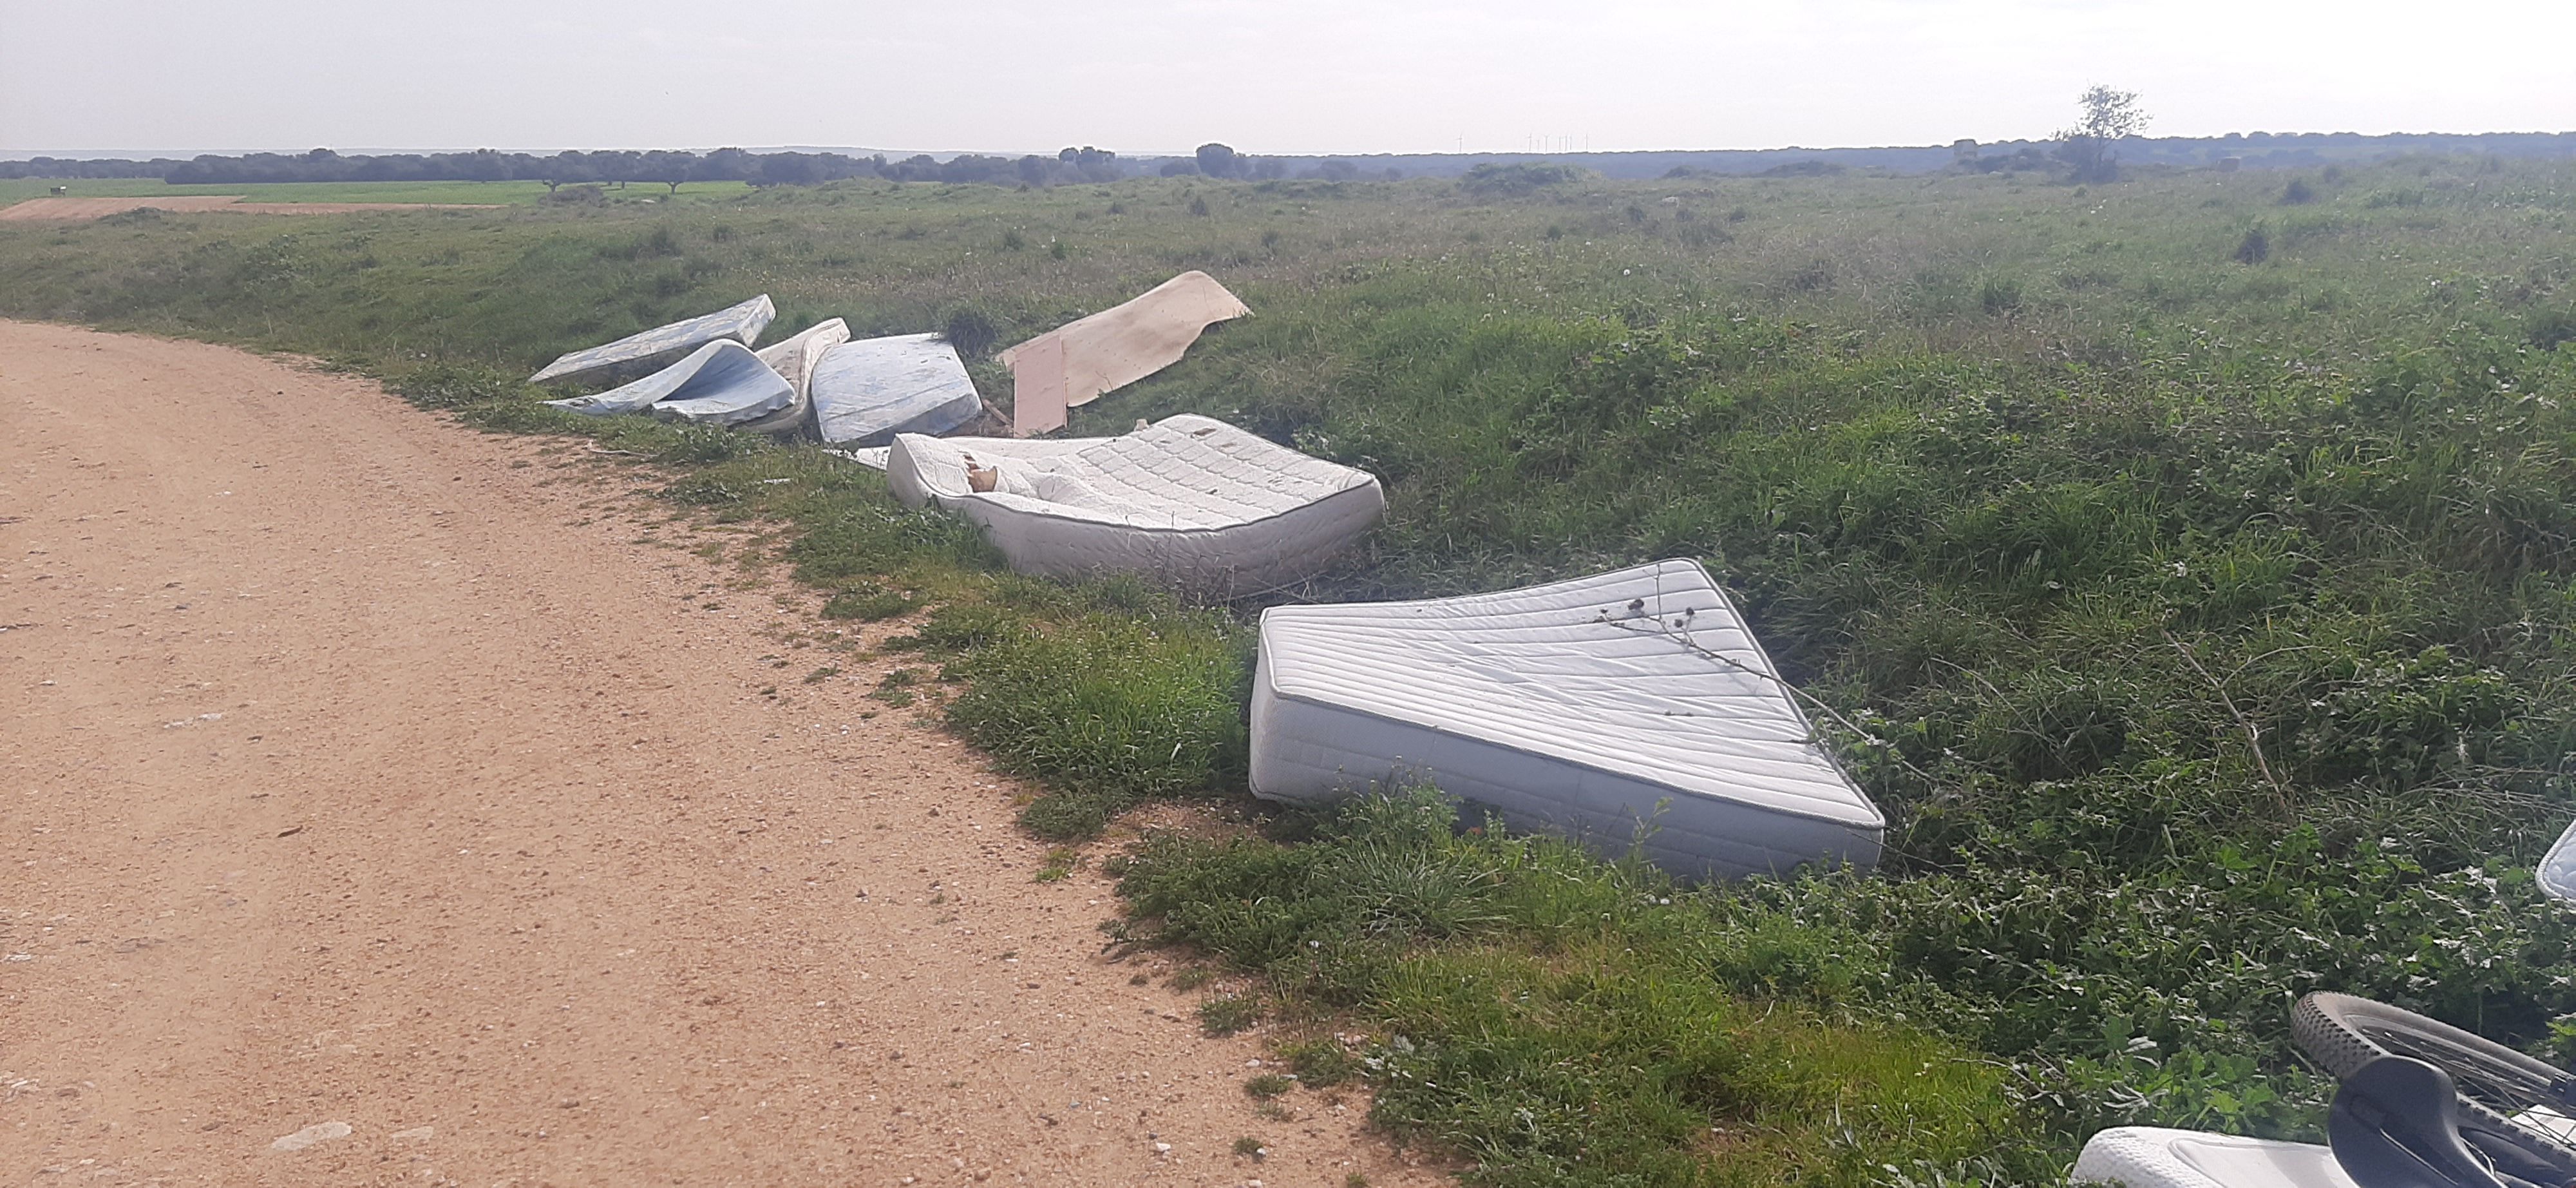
x=1339 y=77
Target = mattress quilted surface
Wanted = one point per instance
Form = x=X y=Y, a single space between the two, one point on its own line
x=2155 y=1157
x=741 y=323
x=1646 y=672
x=1183 y=472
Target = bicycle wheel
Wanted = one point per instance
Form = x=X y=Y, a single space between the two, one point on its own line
x=2514 y=1109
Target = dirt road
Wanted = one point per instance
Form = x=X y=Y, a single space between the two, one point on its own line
x=378 y=804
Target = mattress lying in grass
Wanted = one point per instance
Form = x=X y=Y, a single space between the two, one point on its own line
x=1626 y=708
x=793 y=358
x=653 y=349
x=865 y=392
x=721 y=383
x=2558 y=868
x=2154 y=1157
x=1191 y=501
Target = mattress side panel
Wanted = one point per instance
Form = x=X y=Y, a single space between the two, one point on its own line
x=1303 y=750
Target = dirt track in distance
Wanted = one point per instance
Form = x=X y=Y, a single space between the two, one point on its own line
x=359 y=770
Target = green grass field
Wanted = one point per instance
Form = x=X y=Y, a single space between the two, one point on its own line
x=477 y=193
x=2197 y=566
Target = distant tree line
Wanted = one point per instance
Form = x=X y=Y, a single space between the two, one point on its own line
x=671 y=168
x=2116 y=144
x=65 y=167
x=674 y=168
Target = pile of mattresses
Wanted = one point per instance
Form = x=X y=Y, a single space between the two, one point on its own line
x=863 y=393
x=1626 y=708
x=819 y=381
x=1194 y=502
x=2155 y=1157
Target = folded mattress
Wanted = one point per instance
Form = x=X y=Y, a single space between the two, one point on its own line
x=1626 y=708
x=1192 y=501
x=867 y=391
x=2154 y=1157
x=793 y=358
x=637 y=354
x=721 y=383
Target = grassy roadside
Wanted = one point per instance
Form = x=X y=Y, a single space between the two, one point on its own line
x=2217 y=602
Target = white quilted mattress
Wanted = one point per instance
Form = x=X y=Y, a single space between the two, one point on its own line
x=866 y=391
x=2153 y=1157
x=721 y=383
x=793 y=358
x=1603 y=707
x=2558 y=868
x=1195 y=502
x=636 y=354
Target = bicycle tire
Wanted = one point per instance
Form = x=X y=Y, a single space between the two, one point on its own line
x=2343 y=1032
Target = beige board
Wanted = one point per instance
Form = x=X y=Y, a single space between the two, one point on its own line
x=1073 y=364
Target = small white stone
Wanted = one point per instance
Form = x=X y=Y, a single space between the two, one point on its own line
x=418 y=1132
x=318 y=1132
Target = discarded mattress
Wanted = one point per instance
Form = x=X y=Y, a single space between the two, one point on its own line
x=637 y=354
x=2154 y=1157
x=2558 y=867
x=1192 y=501
x=1625 y=707
x=721 y=383
x=793 y=359
x=1073 y=364
x=867 y=391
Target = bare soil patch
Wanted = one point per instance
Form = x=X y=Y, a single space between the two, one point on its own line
x=390 y=802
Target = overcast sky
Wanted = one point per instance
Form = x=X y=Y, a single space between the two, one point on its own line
x=1282 y=76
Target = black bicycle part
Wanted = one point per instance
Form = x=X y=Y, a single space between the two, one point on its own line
x=2493 y=1084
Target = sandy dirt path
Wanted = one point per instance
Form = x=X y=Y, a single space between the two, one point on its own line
x=365 y=776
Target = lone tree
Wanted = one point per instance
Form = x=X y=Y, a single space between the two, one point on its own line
x=1216 y=160
x=2103 y=118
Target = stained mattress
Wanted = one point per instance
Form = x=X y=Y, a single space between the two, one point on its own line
x=865 y=392
x=721 y=383
x=1192 y=501
x=2154 y=1157
x=1631 y=707
x=638 y=354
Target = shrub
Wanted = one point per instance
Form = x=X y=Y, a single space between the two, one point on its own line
x=1228 y=1015
x=1494 y=180
x=970 y=330
x=868 y=603
x=2255 y=247
x=1999 y=295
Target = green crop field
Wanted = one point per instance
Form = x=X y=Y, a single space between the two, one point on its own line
x=2193 y=558
x=476 y=193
